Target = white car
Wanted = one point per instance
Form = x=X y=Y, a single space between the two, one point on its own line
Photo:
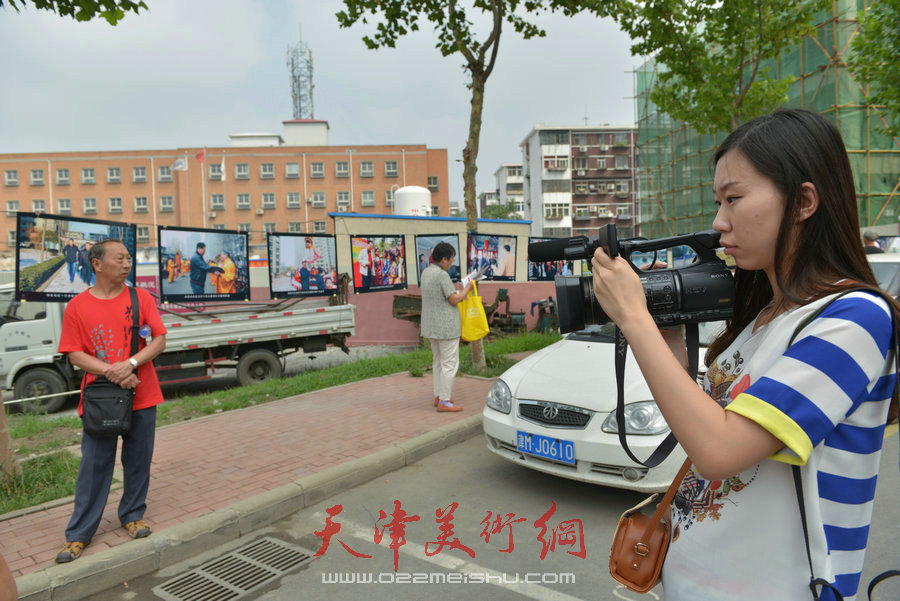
x=554 y=412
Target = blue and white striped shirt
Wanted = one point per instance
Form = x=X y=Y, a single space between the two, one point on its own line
x=826 y=397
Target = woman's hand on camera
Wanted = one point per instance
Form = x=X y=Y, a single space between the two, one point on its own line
x=618 y=288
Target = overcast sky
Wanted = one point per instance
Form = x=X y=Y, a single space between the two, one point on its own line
x=190 y=72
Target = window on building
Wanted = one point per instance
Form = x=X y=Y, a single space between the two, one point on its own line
x=143 y=233
x=292 y=170
x=37 y=177
x=556 y=185
x=113 y=175
x=368 y=198
x=435 y=210
x=217 y=202
x=267 y=171
x=295 y=227
x=87 y=175
x=621 y=162
x=317 y=170
x=139 y=175
x=269 y=228
x=554 y=137
x=580 y=163
x=218 y=226
x=115 y=204
x=62 y=177
x=621 y=139
x=390 y=169
x=11 y=238
x=215 y=171
x=622 y=187
x=243 y=201
x=520 y=206
x=89 y=206
x=320 y=227
x=342 y=169
x=242 y=171
x=623 y=212
x=366 y=169
x=601 y=163
x=11 y=177
x=556 y=210
x=579 y=139
x=389 y=198
x=38 y=205
x=12 y=207
x=141 y=205
x=514 y=171
x=245 y=227
x=343 y=201
x=318 y=200
x=164 y=173
x=433 y=183
x=582 y=188
x=556 y=163
x=64 y=205
x=293 y=200
x=268 y=200
x=166 y=204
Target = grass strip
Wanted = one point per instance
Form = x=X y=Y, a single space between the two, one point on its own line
x=43 y=479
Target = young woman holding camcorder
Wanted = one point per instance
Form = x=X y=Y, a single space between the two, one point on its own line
x=781 y=389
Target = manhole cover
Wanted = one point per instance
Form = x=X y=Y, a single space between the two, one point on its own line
x=236 y=574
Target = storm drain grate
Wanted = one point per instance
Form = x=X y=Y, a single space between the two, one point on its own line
x=236 y=574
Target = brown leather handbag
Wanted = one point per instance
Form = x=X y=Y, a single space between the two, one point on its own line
x=640 y=544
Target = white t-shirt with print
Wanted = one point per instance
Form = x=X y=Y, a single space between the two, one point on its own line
x=826 y=397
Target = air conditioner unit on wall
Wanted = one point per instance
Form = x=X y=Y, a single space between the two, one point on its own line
x=581 y=172
x=211 y=214
x=604 y=147
x=259 y=211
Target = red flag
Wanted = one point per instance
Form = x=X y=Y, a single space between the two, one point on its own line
x=201 y=156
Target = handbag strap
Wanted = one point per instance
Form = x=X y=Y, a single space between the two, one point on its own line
x=692 y=340
x=135 y=319
x=666 y=500
x=474 y=289
x=814 y=582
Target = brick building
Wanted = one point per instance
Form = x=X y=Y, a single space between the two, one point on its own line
x=262 y=182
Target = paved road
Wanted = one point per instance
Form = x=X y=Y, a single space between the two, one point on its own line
x=482 y=485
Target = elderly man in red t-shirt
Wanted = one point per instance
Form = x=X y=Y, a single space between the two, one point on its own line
x=96 y=335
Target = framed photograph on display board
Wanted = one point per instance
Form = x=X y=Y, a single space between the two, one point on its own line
x=497 y=253
x=545 y=271
x=197 y=265
x=426 y=243
x=302 y=265
x=379 y=262
x=52 y=254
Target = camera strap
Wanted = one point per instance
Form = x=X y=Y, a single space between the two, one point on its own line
x=692 y=341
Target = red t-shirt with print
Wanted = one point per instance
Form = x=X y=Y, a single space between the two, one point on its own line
x=102 y=328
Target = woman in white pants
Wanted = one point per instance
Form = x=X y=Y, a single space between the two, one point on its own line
x=440 y=323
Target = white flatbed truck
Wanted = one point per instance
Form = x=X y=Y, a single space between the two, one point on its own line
x=252 y=338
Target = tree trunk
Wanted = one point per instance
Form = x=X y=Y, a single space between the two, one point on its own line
x=470 y=168
x=8 y=464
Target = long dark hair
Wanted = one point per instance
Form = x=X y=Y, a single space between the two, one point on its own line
x=792 y=147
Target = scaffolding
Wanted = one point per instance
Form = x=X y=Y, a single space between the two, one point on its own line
x=676 y=162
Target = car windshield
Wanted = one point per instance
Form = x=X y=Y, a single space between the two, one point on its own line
x=607 y=332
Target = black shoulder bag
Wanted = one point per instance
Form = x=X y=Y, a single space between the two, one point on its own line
x=816 y=583
x=107 y=407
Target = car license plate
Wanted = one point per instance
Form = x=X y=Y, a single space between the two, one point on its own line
x=546 y=447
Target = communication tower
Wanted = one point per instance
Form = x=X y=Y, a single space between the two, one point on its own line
x=300 y=66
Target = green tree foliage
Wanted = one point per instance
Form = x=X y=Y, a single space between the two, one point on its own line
x=501 y=211
x=876 y=59
x=712 y=54
x=82 y=10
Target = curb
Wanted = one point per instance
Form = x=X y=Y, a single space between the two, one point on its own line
x=96 y=573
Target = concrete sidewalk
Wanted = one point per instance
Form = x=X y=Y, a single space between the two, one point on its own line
x=218 y=478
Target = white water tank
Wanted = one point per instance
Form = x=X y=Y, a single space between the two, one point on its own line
x=412 y=200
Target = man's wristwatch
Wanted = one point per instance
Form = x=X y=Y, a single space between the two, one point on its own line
x=133 y=362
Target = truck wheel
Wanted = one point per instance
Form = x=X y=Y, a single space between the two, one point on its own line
x=258 y=366
x=40 y=381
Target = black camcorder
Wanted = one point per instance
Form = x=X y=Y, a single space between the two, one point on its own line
x=699 y=292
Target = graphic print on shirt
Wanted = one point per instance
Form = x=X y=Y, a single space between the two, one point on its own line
x=102 y=340
x=698 y=499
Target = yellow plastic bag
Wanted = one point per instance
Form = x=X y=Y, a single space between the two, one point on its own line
x=472 y=317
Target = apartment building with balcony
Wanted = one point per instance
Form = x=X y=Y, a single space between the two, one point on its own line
x=486 y=199
x=510 y=186
x=578 y=179
x=261 y=183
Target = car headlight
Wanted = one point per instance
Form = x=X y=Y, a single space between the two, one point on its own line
x=499 y=398
x=642 y=418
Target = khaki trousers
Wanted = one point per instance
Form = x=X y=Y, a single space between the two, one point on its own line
x=444 y=366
